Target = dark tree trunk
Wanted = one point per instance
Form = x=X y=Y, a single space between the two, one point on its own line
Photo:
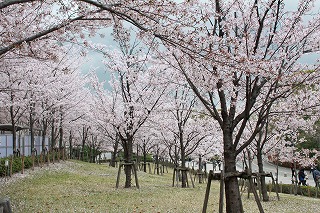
x=200 y=168
x=232 y=193
x=53 y=138
x=31 y=123
x=70 y=144
x=114 y=153
x=84 y=138
x=264 y=189
x=44 y=133
x=183 y=165
x=93 y=150
x=157 y=162
x=14 y=132
x=182 y=158
x=128 y=154
x=60 y=136
x=144 y=157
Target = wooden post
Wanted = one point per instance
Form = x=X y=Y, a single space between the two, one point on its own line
x=38 y=160
x=206 y=197
x=11 y=162
x=133 y=168
x=270 y=188
x=48 y=158
x=276 y=185
x=59 y=151
x=32 y=157
x=187 y=178
x=41 y=160
x=63 y=155
x=256 y=197
x=259 y=185
x=53 y=155
x=177 y=176
x=118 y=177
x=149 y=168
x=191 y=179
x=249 y=188
x=221 y=192
x=135 y=175
x=5 y=206
x=173 y=176
x=22 y=164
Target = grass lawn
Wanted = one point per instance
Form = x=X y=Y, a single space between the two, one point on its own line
x=75 y=186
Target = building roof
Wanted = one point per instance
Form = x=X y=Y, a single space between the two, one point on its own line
x=8 y=127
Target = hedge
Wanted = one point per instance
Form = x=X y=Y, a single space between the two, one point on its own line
x=17 y=164
x=309 y=191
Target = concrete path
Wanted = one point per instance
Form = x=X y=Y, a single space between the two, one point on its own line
x=283 y=177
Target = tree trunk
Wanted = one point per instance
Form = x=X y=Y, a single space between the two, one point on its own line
x=70 y=144
x=232 y=192
x=183 y=158
x=183 y=172
x=31 y=123
x=157 y=162
x=60 y=137
x=128 y=154
x=144 y=158
x=53 y=138
x=14 y=132
x=84 y=138
x=200 y=168
x=264 y=189
x=114 y=153
x=44 y=133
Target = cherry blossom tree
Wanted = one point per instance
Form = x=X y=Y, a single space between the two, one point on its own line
x=146 y=140
x=242 y=58
x=45 y=86
x=134 y=96
x=184 y=128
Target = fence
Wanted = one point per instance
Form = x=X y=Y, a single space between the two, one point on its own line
x=23 y=143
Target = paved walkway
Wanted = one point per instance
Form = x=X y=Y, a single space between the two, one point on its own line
x=284 y=173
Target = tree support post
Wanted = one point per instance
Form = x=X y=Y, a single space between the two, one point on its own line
x=221 y=192
x=276 y=185
x=134 y=171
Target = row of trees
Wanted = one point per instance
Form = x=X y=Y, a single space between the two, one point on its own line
x=216 y=76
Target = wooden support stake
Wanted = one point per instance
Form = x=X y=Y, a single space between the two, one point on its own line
x=256 y=197
x=32 y=156
x=41 y=160
x=53 y=155
x=118 y=177
x=5 y=206
x=206 y=197
x=276 y=186
x=173 y=176
x=22 y=164
x=135 y=175
x=48 y=158
x=59 y=151
x=259 y=185
x=191 y=179
x=221 y=192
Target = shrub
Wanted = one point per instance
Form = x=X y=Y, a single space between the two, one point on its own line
x=301 y=190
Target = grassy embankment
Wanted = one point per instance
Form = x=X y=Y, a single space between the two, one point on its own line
x=74 y=186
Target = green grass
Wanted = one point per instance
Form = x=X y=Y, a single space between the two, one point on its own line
x=75 y=186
